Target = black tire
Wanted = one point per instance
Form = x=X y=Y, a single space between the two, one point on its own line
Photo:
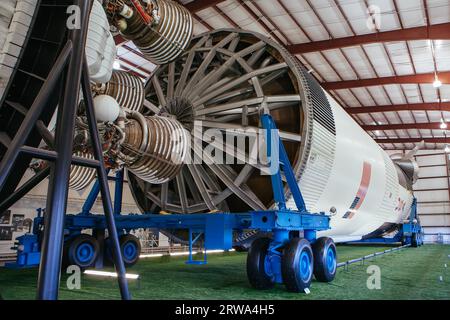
x=125 y=241
x=65 y=258
x=256 y=271
x=240 y=249
x=107 y=253
x=82 y=251
x=414 y=240
x=325 y=259
x=297 y=264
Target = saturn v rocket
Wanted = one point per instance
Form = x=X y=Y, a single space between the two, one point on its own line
x=222 y=81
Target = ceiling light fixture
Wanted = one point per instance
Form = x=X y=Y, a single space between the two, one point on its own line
x=116 y=65
x=447 y=148
x=437 y=83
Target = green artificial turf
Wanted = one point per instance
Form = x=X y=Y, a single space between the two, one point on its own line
x=412 y=273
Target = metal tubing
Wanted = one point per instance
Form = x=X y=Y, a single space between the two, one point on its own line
x=50 y=264
x=47 y=136
x=118 y=191
x=33 y=114
x=90 y=200
x=24 y=189
x=104 y=187
x=52 y=155
x=309 y=235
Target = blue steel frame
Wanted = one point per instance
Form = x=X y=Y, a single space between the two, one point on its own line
x=217 y=228
x=406 y=231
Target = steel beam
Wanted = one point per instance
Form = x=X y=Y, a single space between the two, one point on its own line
x=50 y=155
x=24 y=189
x=428 y=78
x=33 y=114
x=435 y=106
x=413 y=140
x=53 y=236
x=403 y=126
x=432 y=32
x=102 y=175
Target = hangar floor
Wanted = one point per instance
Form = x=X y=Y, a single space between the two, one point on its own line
x=412 y=273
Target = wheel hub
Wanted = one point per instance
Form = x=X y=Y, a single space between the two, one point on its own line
x=180 y=109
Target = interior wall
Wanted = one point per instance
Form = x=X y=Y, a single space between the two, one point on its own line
x=432 y=191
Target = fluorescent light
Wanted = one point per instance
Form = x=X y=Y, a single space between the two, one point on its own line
x=116 y=65
x=181 y=253
x=151 y=255
x=447 y=148
x=443 y=125
x=110 y=274
x=437 y=83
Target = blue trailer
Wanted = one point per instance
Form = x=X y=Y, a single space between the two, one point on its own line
x=409 y=233
x=292 y=255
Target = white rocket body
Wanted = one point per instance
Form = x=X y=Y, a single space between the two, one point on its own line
x=352 y=173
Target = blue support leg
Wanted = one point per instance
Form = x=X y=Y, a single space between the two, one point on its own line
x=280 y=238
x=90 y=200
x=118 y=192
x=192 y=240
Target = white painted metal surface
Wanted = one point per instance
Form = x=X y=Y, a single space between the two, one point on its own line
x=15 y=19
x=100 y=46
x=353 y=174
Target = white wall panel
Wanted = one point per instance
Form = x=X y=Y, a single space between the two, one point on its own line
x=434 y=204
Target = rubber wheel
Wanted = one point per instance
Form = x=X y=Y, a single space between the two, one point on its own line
x=257 y=265
x=325 y=259
x=130 y=247
x=240 y=249
x=414 y=240
x=297 y=264
x=65 y=259
x=82 y=251
x=107 y=253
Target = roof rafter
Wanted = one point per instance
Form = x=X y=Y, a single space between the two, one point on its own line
x=414 y=140
x=404 y=79
x=432 y=32
x=435 y=106
x=403 y=126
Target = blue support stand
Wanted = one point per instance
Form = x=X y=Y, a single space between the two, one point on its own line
x=409 y=233
x=194 y=236
x=118 y=192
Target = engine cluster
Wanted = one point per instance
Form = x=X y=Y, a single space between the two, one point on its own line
x=154 y=146
x=161 y=29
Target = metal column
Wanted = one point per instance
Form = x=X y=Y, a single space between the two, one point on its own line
x=53 y=239
x=104 y=186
